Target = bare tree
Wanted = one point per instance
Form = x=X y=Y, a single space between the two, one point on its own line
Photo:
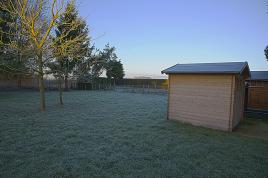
x=37 y=19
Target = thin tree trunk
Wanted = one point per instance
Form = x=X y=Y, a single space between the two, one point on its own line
x=19 y=81
x=66 y=82
x=41 y=83
x=19 y=75
x=60 y=91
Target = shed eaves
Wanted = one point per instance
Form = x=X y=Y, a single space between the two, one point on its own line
x=226 y=67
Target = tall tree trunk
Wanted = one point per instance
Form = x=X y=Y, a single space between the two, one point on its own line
x=60 y=91
x=66 y=82
x=41 y=82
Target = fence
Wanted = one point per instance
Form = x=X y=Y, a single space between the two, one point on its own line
x=257 y=95
x=156 y=86
x=31 y=83
x=145 y=90
x=100 y=83
x=17 y=83
x=143 y=83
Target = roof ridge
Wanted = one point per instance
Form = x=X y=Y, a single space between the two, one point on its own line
x=208 y=63
x=223 y=67
x=259 y=71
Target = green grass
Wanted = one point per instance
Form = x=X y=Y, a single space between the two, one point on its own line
x=254 y=127
x=112 y=134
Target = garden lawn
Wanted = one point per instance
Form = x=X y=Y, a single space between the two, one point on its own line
x=113 y=134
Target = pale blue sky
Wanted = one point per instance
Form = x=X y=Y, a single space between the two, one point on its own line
x=152 y=35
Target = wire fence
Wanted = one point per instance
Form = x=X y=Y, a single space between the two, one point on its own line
x=33 y=83
x=143 y=90
x=154 y=86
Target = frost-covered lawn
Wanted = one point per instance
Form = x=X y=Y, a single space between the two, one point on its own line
x=112 y=134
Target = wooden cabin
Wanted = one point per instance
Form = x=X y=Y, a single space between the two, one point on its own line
x=207 y=94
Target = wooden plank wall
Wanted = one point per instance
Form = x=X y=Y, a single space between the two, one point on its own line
x=201 y=99
x=258 y=95
x=239 y=95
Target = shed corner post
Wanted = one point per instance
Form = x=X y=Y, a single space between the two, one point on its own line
x=231 y=112
x=168 y=97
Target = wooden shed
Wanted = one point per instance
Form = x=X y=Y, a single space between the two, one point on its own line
x=207 y=94
x=257 y=91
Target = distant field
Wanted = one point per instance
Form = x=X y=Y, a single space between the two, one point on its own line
x=114 y=134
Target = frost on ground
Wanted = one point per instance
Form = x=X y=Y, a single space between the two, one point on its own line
x=113 y=134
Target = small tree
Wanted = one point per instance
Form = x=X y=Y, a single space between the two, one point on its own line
x=36 y=18
x=115 y=70
x=266 y=52
x=71 y=44
x=113 y=66
x=101 y=61
x=71 y=31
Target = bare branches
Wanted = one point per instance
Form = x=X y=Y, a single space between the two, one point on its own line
x=30 y=15
x=30 y=29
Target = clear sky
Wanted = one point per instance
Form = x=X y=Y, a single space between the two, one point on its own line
x=151 y=35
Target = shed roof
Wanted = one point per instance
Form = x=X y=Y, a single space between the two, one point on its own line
x=259 y=75
x=213 y=68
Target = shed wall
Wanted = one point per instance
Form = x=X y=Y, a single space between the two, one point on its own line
x=201 y=99
x=239 y=95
